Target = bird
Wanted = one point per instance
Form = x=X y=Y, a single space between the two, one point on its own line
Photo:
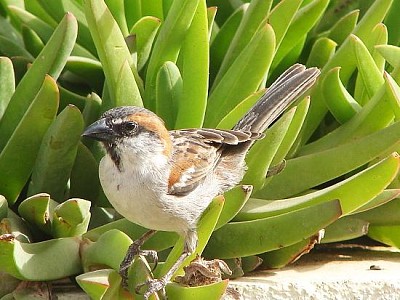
x=165 y=179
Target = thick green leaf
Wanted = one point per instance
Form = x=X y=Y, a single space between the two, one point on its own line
x=288 y=145
x=231 y=118
x=123 y=82
x=243 y=77
x=103 y=284
x=32 y=41
x=8 y=31
x=250 y=263
x=3 y=207
x=117 y=9
x=388 y=235
x=7 y=83
x=133 y=12
x=19 y=154
x=279 y=258
x=91 y=110
x=375 y=115
x=145 y=31
x=323 y=166
x=344 y=229
x=195 y=60
x=84 y=181
x=339 y=101
x=139 y=273
x=56 y=155
x=38 y=210
x=336 y=11
x=353 y=193
x=56 y=53
x=74 y=211
x=370 y=74
x=371 y=61
x=235 y=199
x=304 y=20
x=109 y=250
x=372 y=17
x=15 y=226
x=378 y=36
x=223 y=39
x=153 y=8
x=392 y=23
x=58 y=8
x=67 y=98
x=254 y=18
x=71 y=218
x=211 y=291
x=9 y=48
x=343 y=27
x=282 y=16
x=160 y=241
x=43 y=29
x=383 y=198
x=322 y=50
x=387 y=214
x=169 y=92
x=393 y=94
x=34 y=7
x=48 y=260
x=125 y=87
x=258 y=236
x=168 y=43
x=211 y=13
x=260 y=156
x=390 y=53
x=88 y=69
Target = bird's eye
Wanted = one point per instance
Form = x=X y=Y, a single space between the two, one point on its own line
x=130 y=126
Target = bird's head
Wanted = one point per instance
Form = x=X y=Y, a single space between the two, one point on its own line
x=134 y=131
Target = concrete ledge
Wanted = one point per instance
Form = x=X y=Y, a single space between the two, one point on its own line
x=330 y=274
x=338 y=274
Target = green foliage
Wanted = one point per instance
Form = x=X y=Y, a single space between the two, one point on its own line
x=333 y=154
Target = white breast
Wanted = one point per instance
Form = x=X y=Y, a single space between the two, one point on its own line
x=139 y=193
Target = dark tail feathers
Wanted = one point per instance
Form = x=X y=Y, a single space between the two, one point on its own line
x=288 y=87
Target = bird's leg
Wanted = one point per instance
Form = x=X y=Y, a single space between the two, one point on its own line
x=156 y=285
x=134 y=249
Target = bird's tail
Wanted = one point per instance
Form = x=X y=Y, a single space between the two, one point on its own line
x=294 y=82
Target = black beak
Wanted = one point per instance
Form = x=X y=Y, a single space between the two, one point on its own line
x=99 y=131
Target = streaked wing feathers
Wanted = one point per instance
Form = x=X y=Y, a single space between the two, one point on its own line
x=196 y=152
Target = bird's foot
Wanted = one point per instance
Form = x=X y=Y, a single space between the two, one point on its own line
x=133 y=250
x=152 y=286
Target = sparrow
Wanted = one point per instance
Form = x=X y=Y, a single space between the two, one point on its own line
x=164 y=180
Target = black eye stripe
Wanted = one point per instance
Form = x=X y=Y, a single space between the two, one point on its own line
x=109 y=123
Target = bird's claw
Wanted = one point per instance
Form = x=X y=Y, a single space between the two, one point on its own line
x=153 y=286
x=152 y=255
x=134 y=250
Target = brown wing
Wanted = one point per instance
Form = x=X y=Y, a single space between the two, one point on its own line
x=196 y=153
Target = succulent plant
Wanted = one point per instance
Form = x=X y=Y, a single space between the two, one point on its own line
x=329 y=163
